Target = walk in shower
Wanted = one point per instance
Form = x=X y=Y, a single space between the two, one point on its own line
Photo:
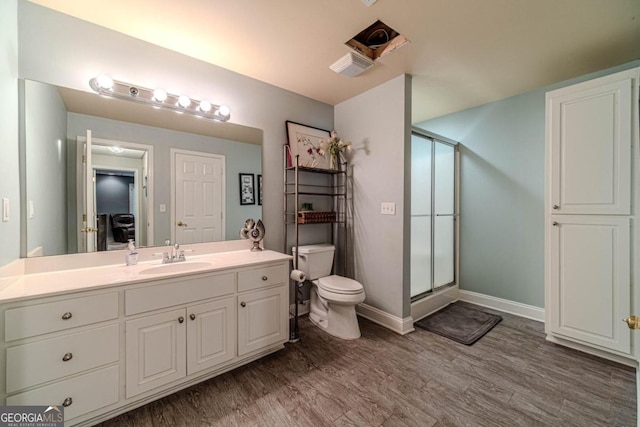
x=434 y=213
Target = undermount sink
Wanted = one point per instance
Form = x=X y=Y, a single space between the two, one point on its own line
x=181 y=267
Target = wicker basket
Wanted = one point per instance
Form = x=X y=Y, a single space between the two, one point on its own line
x=313 y=217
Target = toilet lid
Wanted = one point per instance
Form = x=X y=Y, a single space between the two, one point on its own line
x=339 y=285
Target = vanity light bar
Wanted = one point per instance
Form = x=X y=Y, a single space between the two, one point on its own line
x=158 y=98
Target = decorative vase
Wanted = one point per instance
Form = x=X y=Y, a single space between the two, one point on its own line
x=333 y=162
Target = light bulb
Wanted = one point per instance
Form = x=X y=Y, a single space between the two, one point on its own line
x=223 y=110
x=104 y=81
x=184 y=101
x=205 y=106
x=159 y=95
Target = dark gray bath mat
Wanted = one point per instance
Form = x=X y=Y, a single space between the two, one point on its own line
x=460 y=323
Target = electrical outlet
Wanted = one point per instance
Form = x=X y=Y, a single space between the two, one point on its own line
x=163 y=207
x=387 y=208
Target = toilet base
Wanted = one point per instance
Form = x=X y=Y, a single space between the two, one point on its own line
x=338 y=320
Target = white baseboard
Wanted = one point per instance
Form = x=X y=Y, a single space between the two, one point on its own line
x=511 y=307
x=389 y=321
x=625 y=360
x=303 y=308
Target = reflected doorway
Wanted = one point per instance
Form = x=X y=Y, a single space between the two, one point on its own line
x=114 y=188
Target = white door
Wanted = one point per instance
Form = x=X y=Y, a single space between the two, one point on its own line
x=199 y=194
x=87 y=220
x=590 y=138
x=156 y=351
x=211 y=334
x=590 y=279
x=262 y=319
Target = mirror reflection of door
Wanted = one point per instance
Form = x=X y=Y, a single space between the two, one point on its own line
x=116 y=196
x=198 y=197
x=86 y=215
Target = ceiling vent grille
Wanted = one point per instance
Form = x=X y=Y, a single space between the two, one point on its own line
x=351 y=64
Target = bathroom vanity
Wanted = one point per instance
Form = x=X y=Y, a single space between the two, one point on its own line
x=105 y=339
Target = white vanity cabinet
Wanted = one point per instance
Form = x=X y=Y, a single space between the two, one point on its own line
x=262 y=308
x=101 y=352
x=56 y=350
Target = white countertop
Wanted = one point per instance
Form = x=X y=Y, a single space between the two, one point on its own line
x=50 y=283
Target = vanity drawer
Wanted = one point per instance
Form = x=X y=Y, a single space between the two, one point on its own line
x=79 y=395
x=42 y=361
x=262 y=277
x=176 y=292
x=29 y=321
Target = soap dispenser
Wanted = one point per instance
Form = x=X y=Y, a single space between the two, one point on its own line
x=132 y=256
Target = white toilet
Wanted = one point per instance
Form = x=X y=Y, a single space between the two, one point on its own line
x=333 y=298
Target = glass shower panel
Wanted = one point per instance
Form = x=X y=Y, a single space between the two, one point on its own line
x=444 y=209
x=421 y=156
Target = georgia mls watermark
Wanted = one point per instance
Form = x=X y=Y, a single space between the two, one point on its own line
x=31 y=416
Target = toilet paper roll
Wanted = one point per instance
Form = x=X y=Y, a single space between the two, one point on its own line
x=298 y=276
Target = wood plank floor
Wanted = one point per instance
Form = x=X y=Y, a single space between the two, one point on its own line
x=511 y=377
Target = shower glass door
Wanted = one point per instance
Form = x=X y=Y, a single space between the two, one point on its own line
x=433 y=214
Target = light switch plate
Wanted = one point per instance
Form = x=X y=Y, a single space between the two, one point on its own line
x=388 y=208
x=163 y=207
x=5 y=210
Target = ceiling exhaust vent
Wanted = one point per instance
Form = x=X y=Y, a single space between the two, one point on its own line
x=351 y=64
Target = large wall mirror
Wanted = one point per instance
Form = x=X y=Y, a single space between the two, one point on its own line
x=96 y=172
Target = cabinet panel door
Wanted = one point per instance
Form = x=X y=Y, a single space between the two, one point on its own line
x=156 y=351
x=262 y=319
x=590 y=280
x=589 y=138
x=211 y=337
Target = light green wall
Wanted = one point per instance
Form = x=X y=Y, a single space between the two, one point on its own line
x=502 y=192
x=377 y=123
x=9 y=231
x=45 y=128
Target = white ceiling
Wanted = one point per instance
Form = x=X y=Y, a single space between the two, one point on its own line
x=462 y=52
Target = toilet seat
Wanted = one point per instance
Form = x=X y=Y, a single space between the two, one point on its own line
x=339 y=285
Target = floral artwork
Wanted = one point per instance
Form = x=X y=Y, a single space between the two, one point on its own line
x=304 y=142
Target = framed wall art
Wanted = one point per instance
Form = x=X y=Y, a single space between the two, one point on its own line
x=247 y=189
x=304 y=143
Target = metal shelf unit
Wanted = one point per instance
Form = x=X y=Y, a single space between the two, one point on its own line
x=295 y=186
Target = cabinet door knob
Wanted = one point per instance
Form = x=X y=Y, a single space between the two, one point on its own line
x=67 y=357
x=180 y=319
x=67 y=402
x=265 y=278
x=556 y=207
x=192 y=316
x=243 y=304
x=67 y=316
x=555 y=223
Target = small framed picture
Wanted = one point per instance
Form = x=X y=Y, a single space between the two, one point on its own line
x=247 y=190
x=260 y=189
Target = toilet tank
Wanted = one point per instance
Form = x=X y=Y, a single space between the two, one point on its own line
x=315 y=260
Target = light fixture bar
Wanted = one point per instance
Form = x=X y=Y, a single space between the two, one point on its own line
x=158 y=98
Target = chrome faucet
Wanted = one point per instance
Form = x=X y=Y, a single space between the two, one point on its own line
x=175 y=254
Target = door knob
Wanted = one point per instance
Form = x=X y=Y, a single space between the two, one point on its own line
x=633 y=322
x=182 y=224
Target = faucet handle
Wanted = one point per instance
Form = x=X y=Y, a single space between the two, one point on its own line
x=176 y=246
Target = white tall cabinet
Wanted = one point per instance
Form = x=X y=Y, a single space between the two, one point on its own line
x=590 y=214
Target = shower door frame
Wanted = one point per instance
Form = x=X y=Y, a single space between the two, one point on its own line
x=434 y=138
